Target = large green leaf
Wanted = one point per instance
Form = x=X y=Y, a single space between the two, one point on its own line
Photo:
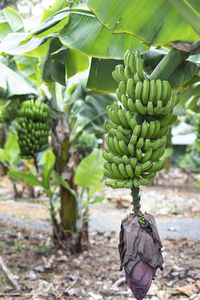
x=12 y=148
x=29 y=178
x=154 y=22
x=86 y=34
x=90 y=170
x=83 y=33
x=13 y=83
x=190 y=10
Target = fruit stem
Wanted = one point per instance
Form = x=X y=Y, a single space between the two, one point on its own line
x=136 y=199
x=36 y=164
x=168 y=64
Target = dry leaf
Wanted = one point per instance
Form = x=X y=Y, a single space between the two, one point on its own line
x=189 y=289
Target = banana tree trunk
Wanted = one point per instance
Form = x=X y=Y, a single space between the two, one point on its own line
x=68 y=233
x=3 y=169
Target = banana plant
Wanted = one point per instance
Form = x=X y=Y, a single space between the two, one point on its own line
x=91 y=168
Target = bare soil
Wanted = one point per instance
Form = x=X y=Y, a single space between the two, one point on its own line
x=46 y=272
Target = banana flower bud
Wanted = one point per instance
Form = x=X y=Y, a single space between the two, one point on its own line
x=140 y=252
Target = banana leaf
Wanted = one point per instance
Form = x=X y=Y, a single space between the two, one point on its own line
x=157 y=22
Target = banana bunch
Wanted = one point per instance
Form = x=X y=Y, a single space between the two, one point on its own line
x=33 y=127
x=138 y=126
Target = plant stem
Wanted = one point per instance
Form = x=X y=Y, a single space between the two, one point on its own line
x=168 y=64
x=36 y=164
x=136 y=199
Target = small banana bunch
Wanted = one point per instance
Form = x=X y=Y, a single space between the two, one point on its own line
x=33 y=127
x=138 y=127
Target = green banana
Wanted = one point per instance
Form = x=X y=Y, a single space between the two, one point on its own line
x=133 y=162
x=131 y=149
x=137 y=130
x=117 y=147
x=158 y=108
x=152 y=91
x=121 y=136
x=131 y=63
x=147 y=156
x=122 y=118
x=150 y=108
x=130 y=88
x=140 y=143
x=143 y=181
x=120 y=72
x=138 y=170
x=152 y=126
x=136 y=182
x=140 y=107
x=124 y=101
x=138 y=154
x=166 y=92
x=145 y=91
x=125 y=131
x=157 y=129
x=147 y=144
x=139 y=68
x=133 y=123
x=145 y=166
x=122 y=170
x=149 y=175
x=138 y=90
x=131 y=105
x=123 y=147
x=129 y=170
x=144 y=129
x=115 y=171
x=158 y=89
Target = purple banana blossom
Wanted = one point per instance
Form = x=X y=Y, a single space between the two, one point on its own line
x=140 y=252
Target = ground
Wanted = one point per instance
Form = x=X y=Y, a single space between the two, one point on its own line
x=46 y=272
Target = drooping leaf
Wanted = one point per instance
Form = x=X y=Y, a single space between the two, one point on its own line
x=93 y=113
x=100 y=76
x=48 y=159
x=54 y=65
x=13 y=83
x=14 y=44
x=29 y=178
x=10 y=21
x=76 y=62
x=192 y=104
x=161 y=22
x=90 y=170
